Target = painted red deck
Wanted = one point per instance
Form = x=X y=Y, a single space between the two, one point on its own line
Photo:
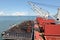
x=51 y=30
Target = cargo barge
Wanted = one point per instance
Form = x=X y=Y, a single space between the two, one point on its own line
x=22 y=31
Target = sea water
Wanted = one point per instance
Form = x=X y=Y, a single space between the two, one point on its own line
x=7 y=21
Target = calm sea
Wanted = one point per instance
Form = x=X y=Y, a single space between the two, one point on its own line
x=7 y=21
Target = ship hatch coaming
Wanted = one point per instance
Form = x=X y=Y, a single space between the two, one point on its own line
x=8 y=39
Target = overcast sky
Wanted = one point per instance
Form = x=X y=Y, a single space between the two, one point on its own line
x=21 y=7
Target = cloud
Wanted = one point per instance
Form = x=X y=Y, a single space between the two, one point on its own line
x=2 y=13
x=18 y=14
x=5 y=13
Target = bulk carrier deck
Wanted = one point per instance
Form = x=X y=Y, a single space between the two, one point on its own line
x=19 y=32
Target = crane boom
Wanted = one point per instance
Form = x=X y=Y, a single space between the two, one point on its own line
x=38 y=10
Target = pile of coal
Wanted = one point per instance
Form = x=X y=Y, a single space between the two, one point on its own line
x=23 y=27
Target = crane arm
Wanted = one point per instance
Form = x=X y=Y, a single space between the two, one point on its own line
x=38 y=10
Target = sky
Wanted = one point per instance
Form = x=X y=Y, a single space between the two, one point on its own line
x=21 y=7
